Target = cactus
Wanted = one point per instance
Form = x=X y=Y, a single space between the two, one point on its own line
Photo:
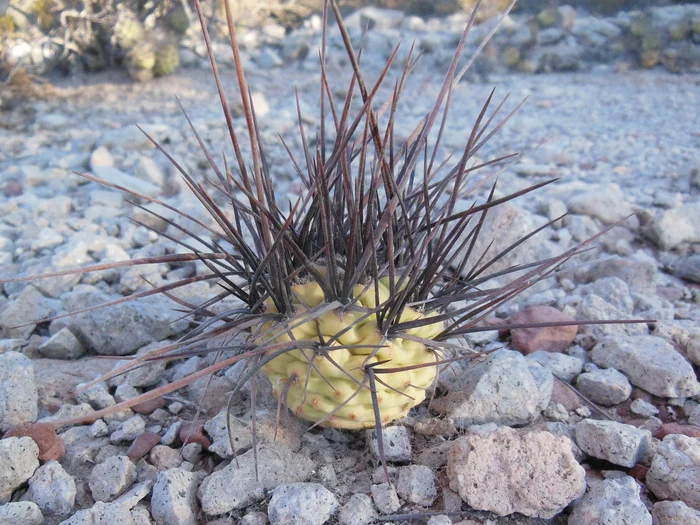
x=141 y=61
x=7 y=25
x=128 y=31
x=167 y=59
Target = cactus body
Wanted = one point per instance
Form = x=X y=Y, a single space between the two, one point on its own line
x=167 y=59
x=333 y=388
x=129 y=31
x=141 y=61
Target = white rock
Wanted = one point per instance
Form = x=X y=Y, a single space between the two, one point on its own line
x=650 y=363
x=100 y=158
x=128 y=430
x=417 y=484
x=21 y=513
x=674 y=513
x=101 y=513
x=233 y=488
x=30 y=306
x=507 y=471
x=18 y=394
x=301 y=504
x=18 y=462
x=561 y=365
x=359 y=510
x=111 y=478
x=595 y=308
x=605 y=387
x=148 y=169
x=504 y=388
x=606 y=203
x=612 y=290
x=617 y=443
x=611 y=501
x=676 y=226
x=396 y=441
x=97 y=396
x=385 y=498
x=52 y=489
x=675 y=470
x=174 y=499
x=642 y=408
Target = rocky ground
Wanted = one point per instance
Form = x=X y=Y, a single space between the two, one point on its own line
x=504 y=441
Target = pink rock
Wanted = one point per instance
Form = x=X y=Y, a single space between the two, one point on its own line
x=550 y=339
x=51 y=446
x=193 y=432
x=676 y=428
x=142 y=445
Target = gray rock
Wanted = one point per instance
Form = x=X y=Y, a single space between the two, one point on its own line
x=675 y=470
x=62 y=345
x=604 y=387
x=504 y=388
x=21 y=513
x=687 y=268
x=148 y=169
x=507 y=471
x=561 y=365
x=268 y=58
x=301 y=504
x=617 y=443
x=30 y=306
x=595 y=308
x=165 y=458
x=128 y=430
x=111 y=478
x=52 y=489
x=417 y=484
x=359 y=510
x=97 y=396
x=612 y=290
x=396 y=442
x=550 y=36
x=124 y=328
x=101 y=513
x=385 y=498
x=174 y=500
x=650 y=363
x=18 y=394
x=611 y=501
x=114 y=176
x=676 y=226
x=234 y=487
x=642 y=408
x=674 y=513
x=148 y=374
x=18 y=462
x=67 y=411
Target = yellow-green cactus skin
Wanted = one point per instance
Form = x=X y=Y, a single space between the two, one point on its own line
x=167 y=61
x=333 y=389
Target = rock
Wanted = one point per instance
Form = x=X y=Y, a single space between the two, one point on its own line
x=359 y=510
x=533 y=473
x=62 y=345
x=142 y=445
x=504 y=388
x=112 y=513
x=29 y=307
x=562 y=366
x=612 y=290
x=148 y=374
x=604 y=387
x=676 y=226
x=385 y=498
x=148 y=169
x=595 y=308
x=235 y=487
x=675 y=470
x=111 y=478
x=606 y=203
x=301 y=504
x=18 y=462
x=687 y=268
x=650 y=363
x=128 y=430
x=51 y=447
x=677 y=428
x=18 y=395
x=640 y=276
x=21 y=513
x=611 y=501
x=97 y=396
x=553 y=339
x=174 y=498
x=124 y=328
x=119 y=178
x=417 y=485
x=165 y=458
x=617 y=443
x=268 y=58
x=52 y=489
x=642 y=408
x=396 y=442
x=101 y=158
x=674 y=513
